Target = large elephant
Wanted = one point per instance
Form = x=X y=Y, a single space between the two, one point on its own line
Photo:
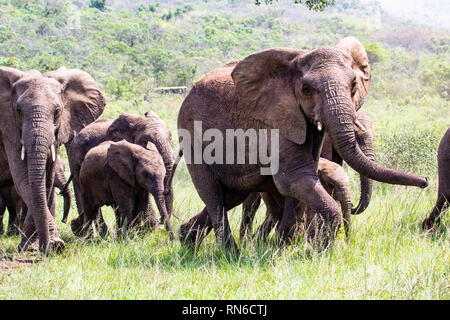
x=122 y=174
x=443 y=197
x=9 y=199
x=301 y=93
x=132 y=128
x=40 y=112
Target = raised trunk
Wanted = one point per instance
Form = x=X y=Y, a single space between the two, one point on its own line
x=339 y=115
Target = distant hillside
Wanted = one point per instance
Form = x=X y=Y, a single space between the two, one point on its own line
x=134 y=46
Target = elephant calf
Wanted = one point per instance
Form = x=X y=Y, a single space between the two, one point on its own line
x=443 y=198
x=333 y=178
x=122 y=175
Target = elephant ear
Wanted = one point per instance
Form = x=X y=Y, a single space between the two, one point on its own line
x=83 y=101
x=266 y=93
x=121 y=159
x=360 y=66
x=8 y=76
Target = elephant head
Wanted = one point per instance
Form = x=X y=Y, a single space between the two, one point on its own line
x=290 y=90
x=39 y=113
x=143 y=167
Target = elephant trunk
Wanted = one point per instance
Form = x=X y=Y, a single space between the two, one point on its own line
x=338 y=114
x=365 y=142
x=37 y=160
x=37 y=144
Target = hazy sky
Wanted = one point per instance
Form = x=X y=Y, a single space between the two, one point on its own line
x=432 y=12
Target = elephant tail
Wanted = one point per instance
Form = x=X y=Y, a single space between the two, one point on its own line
x=168 y=184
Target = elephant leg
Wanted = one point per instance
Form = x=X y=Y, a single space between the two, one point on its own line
x=274 y=212
x=100 y=224
x=13 y=221
x=196 y=229
x=2 y=213
x=249 y=208
x=433 y=220
x=300 y=181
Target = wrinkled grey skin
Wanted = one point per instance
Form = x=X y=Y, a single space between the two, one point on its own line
x=40 y=112
x=332 y=177
x=292 y=91
x=9 y=199
x=122 y=174
x=134 y=129
x=443 y=197
x=365 y=140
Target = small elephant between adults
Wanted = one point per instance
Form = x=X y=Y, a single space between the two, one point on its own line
x=333 y=178
x=122 y=174
x=443 y=196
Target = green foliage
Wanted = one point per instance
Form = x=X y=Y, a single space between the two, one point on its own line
x=375 y=52
x=411 y=150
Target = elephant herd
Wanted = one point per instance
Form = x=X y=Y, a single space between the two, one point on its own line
x=311 y=98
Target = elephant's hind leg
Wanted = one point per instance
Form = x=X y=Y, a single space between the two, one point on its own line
x=433 y=220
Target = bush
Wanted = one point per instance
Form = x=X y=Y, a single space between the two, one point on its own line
x=410 y=151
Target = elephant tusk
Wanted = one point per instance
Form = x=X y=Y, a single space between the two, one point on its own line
x=22 y=153
x=319 y=126
x=360 y=126
x=52 y=149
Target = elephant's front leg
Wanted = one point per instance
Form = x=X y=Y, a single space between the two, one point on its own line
x=297 y=178
x=196 y=229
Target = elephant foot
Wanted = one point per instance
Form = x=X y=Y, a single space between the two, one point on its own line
x=430 y=225
x=56 y=245
x=29 y=245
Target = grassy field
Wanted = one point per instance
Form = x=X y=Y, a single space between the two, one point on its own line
x=387 y=256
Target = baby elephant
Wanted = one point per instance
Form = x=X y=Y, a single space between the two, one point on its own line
x=121 y=175
x=443 y=198
x=334 y=179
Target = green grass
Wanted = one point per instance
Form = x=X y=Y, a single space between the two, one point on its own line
x=388 y=256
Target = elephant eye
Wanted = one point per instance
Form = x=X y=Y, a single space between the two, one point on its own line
x=306 y=90
x=353 y=86
x=57 y=113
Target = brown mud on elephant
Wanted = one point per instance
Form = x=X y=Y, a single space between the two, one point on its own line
x=39 y=113
x=300 y=93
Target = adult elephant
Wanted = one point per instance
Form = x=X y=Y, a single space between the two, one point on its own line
x=40 y=112
x=134 y=129
x=300 y=93
x=443 y=197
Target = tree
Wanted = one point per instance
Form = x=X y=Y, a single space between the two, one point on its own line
x=315 y=5
x=99 y=4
